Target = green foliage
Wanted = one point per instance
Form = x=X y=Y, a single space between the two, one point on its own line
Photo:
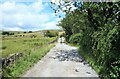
x=26 y=62
x=75 y=38
x=3 y=47
x=99 y=26
x=105 y=50
x=11 y=34
x=86 y=40
x=5 y=33
x=30 y=32
x=33 y=50
x=51 y=34
x=21 y=44
x=24 y=32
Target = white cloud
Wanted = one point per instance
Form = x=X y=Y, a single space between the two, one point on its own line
x=58 y=19
x=20 y=23
x=7 y=6
x=13 y=7
x=13 y=29
x=37 y=6
x=51 y=25
x=25 y=17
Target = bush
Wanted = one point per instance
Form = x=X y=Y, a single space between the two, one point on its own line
x=75 y=38
x=86 y=40
x=25 y=32
x=30 y=32
x=3 y=47
x=106 y=51
x=5 y=33
x=103 y=47
x=11 y=34
x=100 y=35
x=51 y=34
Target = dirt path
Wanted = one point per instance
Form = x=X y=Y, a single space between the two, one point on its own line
x=61 y=61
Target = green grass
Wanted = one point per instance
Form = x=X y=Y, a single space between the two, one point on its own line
x=33 y=49
x=26 y=62
x=89 y=58
x=11 y=45
x=76 y=45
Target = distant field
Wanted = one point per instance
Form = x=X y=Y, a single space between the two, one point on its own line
x=23 y=43
x=33 y=46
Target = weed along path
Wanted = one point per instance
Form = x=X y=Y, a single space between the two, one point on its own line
x=62 y=61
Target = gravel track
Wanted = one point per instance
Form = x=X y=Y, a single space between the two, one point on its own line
x=62 y=61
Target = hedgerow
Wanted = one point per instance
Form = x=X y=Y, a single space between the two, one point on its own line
x=99 y=40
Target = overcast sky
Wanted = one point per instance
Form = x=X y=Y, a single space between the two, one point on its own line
x=25 y=15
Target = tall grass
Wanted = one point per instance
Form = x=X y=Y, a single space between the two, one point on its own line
x=26 y=62
x=90 y=59
x=33 y=49
x=23 y=45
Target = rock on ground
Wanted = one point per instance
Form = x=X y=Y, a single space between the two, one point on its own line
x=61 y=61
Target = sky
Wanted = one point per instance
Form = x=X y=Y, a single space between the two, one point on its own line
x=26 y=15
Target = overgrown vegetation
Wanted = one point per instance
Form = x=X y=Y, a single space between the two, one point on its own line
x=7 y=33
x=26 y=62
x=13 y=44
x=95 y=26
x=75 y=38
x=49 y=33
x=33 y=49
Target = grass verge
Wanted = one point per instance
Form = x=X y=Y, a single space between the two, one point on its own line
x=89 y=58
x=100 y=70
x=26 y=62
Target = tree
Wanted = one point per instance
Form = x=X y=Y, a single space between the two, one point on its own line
x=11 y=34
x=51 y=33
x=99 y=26
x=5 y=33
x=30 y=32
x=25 y=32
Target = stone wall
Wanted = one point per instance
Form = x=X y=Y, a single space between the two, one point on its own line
x=12 y=58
